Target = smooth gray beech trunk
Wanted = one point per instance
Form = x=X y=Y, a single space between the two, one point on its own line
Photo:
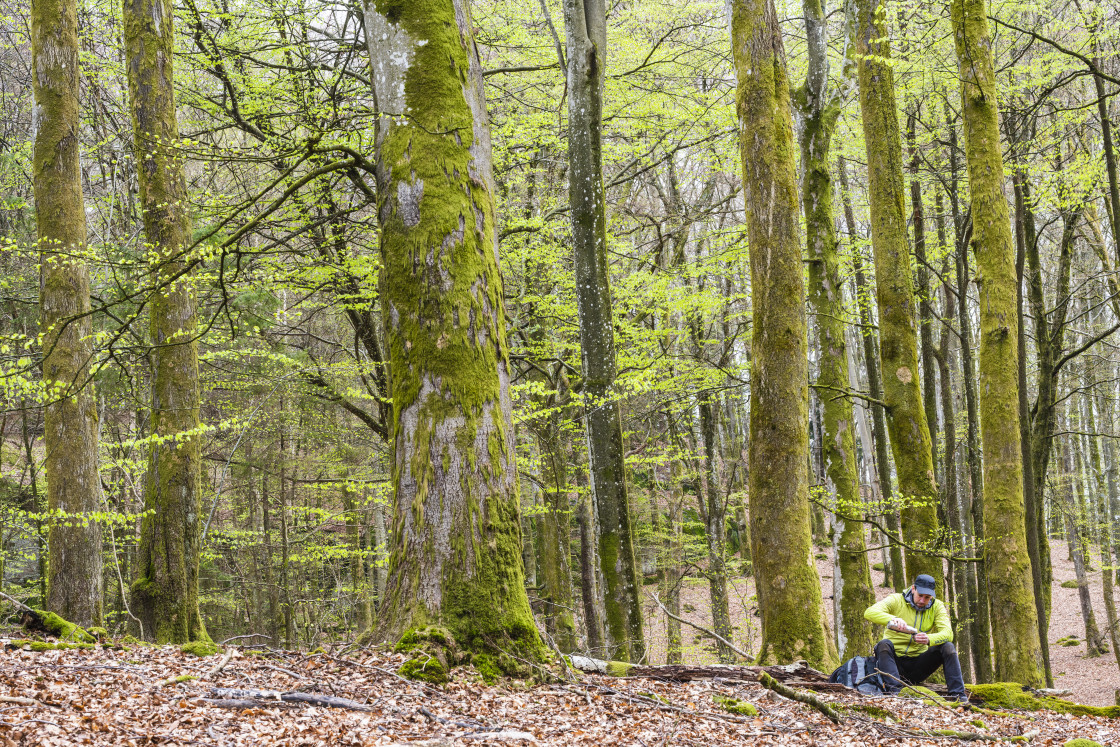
x=70 y=430
x=585 y=22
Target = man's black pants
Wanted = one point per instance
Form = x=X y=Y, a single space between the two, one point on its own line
x=912 y=670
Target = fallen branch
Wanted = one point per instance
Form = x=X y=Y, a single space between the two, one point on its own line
x=17 y=700
x=800 y=696
x=326 y=701
x=221 y=664
x=244 y=703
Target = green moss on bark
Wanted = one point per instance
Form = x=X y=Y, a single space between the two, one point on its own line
x=455 y=562
x=898 y=341
x=1013 y=696
x=793 y=622
x=1015 y=634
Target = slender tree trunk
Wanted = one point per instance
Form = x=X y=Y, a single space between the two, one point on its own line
x=1107 y=531
x=898 y=352
x=716 y=532
x=269 y=580
x=556 y=576
x=455 y=561
x=589 y=586
x=585 y=21
x=70 y=430
x=363 y=614
x=1031 y=499
x=893 y=573
x=1015 y=632
x=166 y=593
x=1076 y=537
x=852 y=589
x=793 y=622
x=1103 y=525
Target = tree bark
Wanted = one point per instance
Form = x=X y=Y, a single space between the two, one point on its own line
x=165 y=596
x=852 y=589
x=1015 y=633
x=898 y=351
x=793 y=623
x=70 y=428
x=455 y=561
x=585 y=21
x=893 y=572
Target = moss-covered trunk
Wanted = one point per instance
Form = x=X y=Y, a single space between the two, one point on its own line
x=585 y=23
x=455 y=561
x=1018 y=653
x=793 y=624
x=70 y=428
x=1074 y=511
x=893 y=574
x=165 y=594
x=554 y=527
x=852 y=589
x=898 y=341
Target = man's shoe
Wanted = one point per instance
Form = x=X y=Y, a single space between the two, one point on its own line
x=961 y=699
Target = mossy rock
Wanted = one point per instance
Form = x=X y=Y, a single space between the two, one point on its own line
x=978 y=724
x=1082 y=743
x=1069 y=584
x=1069 y=640
x=1013 y=696
x=734 y=705
x=200 y=648
x=425 y=668
x=877 y=566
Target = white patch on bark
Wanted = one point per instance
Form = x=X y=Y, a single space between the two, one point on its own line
x=408 y=201
x=391 y=50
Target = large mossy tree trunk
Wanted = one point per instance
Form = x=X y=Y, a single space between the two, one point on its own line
x=70 y=428
x=898 y=341
x=586 y=26
x=165 y=594
x=1018 y=653
x=793 y=622
x=852 y=590
x=455 y=562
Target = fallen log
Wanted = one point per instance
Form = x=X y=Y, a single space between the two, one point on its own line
x=269 y=697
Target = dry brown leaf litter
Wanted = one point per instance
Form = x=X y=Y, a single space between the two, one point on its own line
x=106 y=697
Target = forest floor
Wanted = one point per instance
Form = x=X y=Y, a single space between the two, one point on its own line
x=133 y=697
x=1092 y=681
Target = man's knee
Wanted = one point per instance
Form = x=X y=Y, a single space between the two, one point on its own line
x=884 y=646
x=948 y=648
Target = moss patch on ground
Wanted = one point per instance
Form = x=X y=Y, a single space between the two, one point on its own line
x=200 y=648
x=873 y=711
x=1082 y=743
x=734 y=705
x=1012 y=695
x=1069 y=640
x=48 y=646
x=1069 y=584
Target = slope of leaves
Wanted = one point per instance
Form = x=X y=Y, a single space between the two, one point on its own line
x=131 y=697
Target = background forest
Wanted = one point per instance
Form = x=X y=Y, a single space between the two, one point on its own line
x=208 y=443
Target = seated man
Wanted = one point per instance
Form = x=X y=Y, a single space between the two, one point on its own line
x=919 y=639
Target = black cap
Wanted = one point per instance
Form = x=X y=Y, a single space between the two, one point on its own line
x=923 y=584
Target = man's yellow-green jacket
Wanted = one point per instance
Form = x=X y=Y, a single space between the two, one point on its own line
x=933 y=621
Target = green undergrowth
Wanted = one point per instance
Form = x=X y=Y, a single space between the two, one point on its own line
x=48 y=645
x=1014 y=696
x=734 y=705
x=867 y=709
x=199 y=648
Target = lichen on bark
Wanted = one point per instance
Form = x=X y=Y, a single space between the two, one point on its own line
x=793 y=622
x=455 y=560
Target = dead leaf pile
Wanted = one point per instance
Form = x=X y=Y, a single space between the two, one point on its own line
x=134 y=697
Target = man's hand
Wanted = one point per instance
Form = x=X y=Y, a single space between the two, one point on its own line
x=921 y=638
x=898 y=624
